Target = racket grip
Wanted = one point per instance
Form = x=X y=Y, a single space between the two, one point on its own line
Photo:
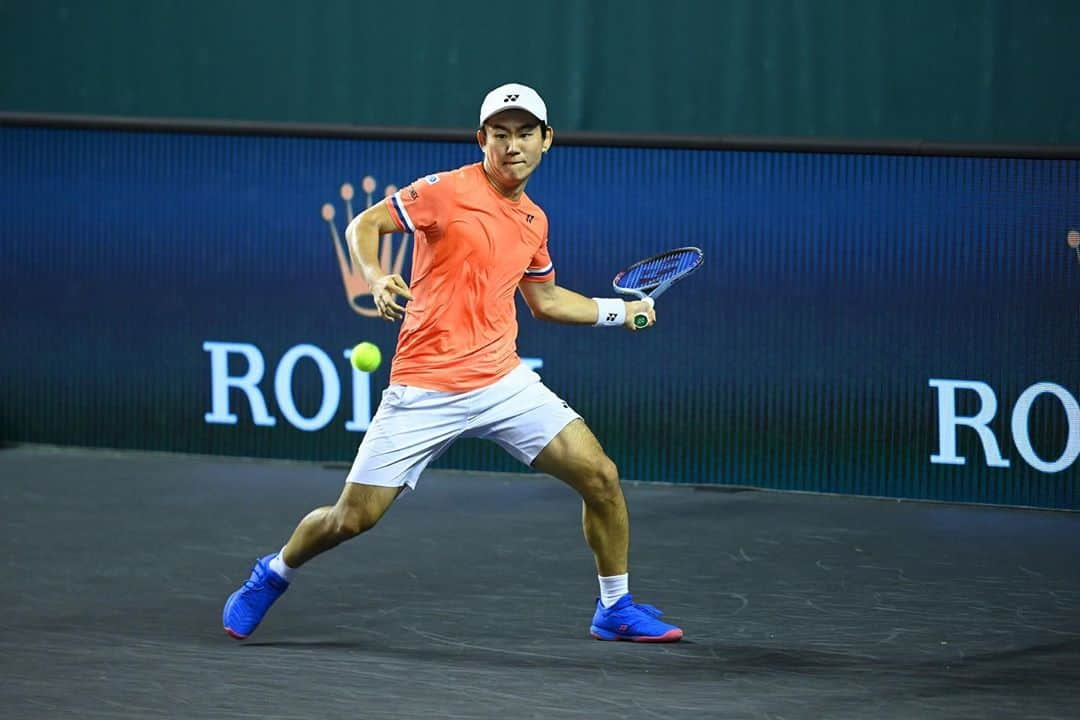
x=641 y=319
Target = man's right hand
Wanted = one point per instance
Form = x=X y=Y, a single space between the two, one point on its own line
x=385 y=291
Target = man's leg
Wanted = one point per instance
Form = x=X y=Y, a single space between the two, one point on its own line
x=575 y=457
x=358 y=509
x=409 y=430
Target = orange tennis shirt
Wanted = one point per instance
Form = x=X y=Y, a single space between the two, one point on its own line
x=472 y=248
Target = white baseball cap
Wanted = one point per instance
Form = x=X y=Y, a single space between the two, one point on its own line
x=513 y=96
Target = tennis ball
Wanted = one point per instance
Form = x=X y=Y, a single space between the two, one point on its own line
x=366 y=357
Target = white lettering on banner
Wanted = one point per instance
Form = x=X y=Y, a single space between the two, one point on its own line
x=1020 y=427
x=221 y=382
x=361 y=398
x=948 y=421
x=331 y=385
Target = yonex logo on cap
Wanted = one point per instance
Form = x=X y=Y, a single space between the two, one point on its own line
x=510 y=98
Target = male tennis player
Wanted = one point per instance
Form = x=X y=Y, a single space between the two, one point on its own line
x=456 y=372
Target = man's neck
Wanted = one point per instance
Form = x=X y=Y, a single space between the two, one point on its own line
x=513 y=193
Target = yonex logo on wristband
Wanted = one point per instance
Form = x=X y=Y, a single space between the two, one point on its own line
x=511 y=98
x=610 y=312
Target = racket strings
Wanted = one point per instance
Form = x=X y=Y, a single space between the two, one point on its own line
x=656 y=271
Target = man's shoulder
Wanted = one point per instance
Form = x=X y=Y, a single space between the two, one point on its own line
x=469 y=178
x=527 y=203
x=450 y=179
x=462 y=177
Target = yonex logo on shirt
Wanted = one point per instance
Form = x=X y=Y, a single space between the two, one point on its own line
x=510 y=98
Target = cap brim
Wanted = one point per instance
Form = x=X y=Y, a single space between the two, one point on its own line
x=511 y=106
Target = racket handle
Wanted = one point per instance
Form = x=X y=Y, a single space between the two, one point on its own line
x=641 y=319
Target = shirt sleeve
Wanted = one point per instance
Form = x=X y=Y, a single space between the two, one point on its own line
x=423 y=204
x=541 y=269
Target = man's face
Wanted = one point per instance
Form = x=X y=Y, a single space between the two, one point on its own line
x=513 y=145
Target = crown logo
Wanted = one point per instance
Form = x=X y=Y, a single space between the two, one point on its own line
x=357 y=290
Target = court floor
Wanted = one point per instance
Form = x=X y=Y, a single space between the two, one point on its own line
x=472 y=599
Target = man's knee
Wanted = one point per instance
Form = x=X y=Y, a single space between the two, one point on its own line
x=601 y=483
x=351 y=520
x=359 y=507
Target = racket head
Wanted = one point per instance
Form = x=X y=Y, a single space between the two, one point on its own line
x=652 y=275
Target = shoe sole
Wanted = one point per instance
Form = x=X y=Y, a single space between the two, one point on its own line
x=672 y=635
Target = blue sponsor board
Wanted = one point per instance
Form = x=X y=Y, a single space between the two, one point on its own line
x=901 y=326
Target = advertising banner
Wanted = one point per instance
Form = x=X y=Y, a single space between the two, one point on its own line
x=899 y=326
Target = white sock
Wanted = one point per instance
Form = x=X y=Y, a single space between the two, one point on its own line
x=278 y=565
x=612 y=588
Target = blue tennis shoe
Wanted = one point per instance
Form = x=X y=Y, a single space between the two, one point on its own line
x=245 y=608
x=626 y=620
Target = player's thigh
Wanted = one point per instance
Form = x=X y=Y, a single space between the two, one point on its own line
x=576 y=457
x=411 y=428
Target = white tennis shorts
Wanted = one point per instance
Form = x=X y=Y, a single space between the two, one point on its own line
x=413 y=426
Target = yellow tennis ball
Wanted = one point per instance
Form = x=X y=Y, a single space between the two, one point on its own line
x=366 y=357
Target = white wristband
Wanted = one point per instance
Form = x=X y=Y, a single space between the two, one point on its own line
x=610 y=312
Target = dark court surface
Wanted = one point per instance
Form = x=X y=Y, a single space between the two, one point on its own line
x=472 y=599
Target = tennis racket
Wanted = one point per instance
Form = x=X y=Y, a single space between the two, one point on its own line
x=648 y=279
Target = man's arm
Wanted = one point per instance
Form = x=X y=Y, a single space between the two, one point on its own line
x=362 y=237
x=548 y=301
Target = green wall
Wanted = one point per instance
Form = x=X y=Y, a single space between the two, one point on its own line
x=992 y=71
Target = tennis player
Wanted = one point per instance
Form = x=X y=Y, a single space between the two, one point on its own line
x=456 y=372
